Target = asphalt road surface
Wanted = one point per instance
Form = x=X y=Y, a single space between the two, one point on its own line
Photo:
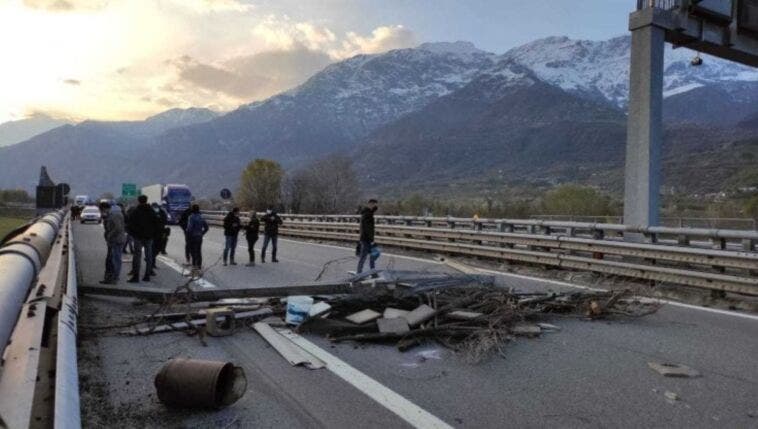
x=589 y=374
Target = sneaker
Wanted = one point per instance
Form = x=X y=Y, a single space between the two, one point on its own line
x=274 y=260
x=146 y=279
x=232 y=263
x=133 y=280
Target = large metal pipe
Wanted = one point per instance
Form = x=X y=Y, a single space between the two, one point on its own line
x=21 y=259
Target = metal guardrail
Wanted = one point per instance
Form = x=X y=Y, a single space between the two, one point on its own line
x=568 y=245
x=38 y=375
x=673 y=222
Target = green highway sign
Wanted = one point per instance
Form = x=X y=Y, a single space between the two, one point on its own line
x=129 y=190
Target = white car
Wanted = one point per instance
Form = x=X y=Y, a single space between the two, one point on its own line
x=91 y=214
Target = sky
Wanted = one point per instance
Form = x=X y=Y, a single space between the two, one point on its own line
x=128 y=59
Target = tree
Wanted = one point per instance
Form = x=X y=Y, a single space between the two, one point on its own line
x=751 y=207
x=328 y=185
x=261 y=184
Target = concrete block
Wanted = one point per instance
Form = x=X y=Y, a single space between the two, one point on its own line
x=393 y=313
x=420 y=315
x=363 y=316
x=318 y=309
x=396 y=325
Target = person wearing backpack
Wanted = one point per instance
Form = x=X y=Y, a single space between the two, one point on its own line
x=196 y=229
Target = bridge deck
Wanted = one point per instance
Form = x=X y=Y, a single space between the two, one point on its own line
x=589 y=374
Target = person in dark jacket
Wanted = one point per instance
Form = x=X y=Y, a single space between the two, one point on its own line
x=367 y=235
x=196 y=229
x=160 y=233
x=142 y=226
x=271 y=222
x=129 y=244
x=115 y=236
x=232 y=226
x=183 y=219
x=251 y=233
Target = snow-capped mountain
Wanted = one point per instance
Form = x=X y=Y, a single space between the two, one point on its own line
x=13 y=132
x=367 y=91
x=601 y=68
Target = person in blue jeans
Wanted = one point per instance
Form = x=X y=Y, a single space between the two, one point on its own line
x=271 y=222
x=232 y=226
x=367 y=236
x=115 y=236
x=196 y=229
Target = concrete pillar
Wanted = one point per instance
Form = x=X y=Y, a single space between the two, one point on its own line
x=644 y=136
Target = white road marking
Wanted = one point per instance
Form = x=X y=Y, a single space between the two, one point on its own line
x=205 y=284
x=402 y=407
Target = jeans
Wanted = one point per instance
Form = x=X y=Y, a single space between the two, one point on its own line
x=266 y=239
x=196 y=251
x=129 y=245
x=113 y=262
x=251 y=248
x=139 y=245
x=187 y=253
x=230 y=246
x=365 y=253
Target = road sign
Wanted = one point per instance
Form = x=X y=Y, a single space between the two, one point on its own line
x=128 y=190
x=226 y=194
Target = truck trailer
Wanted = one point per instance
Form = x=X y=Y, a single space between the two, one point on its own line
x=174 y=198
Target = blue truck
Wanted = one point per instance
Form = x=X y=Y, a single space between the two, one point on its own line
x=174 y=198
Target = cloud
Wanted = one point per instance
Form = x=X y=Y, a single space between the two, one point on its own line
x=382 y=39
x=209 y=6
x=74 y=82
x=281 y=33
x=65 y=5
x=252 y=77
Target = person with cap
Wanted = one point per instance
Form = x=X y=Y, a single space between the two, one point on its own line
x=271 y=222
x=232 y=226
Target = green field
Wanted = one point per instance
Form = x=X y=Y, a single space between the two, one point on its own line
x=7 y=224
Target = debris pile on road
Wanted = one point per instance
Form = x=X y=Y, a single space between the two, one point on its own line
x=466 y=313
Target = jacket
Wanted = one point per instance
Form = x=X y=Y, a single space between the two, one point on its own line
x=271 y=224
x=115 y=228
x=183 y=219
x=232 y=224
x=142 y=222
x=161 y=222
x=252 y=228
x=196 y=226
x=367 y=225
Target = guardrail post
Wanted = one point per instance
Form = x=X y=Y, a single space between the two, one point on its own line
x=598 y=234
x=451 y=225
x=477 y=226
x=683 y=240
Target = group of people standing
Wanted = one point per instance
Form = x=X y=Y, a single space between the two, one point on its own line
x=233 y=225
x=141 y=230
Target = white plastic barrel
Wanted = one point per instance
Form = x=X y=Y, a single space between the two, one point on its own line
x=297 y=309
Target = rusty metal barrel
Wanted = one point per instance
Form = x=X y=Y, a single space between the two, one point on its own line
x=194 y=383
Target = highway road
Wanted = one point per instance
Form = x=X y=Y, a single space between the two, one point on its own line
x=589 y=374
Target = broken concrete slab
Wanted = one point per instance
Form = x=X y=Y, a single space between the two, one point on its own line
x=395 y=325
x=548 y=327
x=464 y=315
x=319 y=309
x=526 y=329
x=392 y=313
x=420 y=314
x=671 y=396
x=363 y=316
x=673 y=369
